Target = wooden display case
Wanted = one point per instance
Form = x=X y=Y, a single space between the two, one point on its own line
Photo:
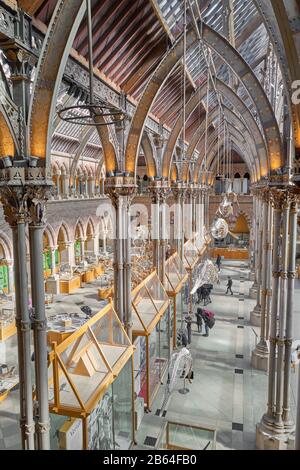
x=176 y=277
x=85 y=364
x=88 y=276
x=68 y=286
x=150 y=304
x=7 y=330
x=99 y=270
x=8 y=383
x=231 y=253
x=105 y=292
x=57 y=336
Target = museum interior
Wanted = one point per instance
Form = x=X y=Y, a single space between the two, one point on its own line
x=149 y=233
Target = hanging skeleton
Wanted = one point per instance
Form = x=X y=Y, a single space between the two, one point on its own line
x=208 y=274
x=219 y=229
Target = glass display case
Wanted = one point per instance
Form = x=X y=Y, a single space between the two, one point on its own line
x=7 y=321
x=151 y=330
x=176 y=277
x=82 y=373
x=183 y=436
x=191 y=255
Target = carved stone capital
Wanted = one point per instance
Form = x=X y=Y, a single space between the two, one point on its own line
x=117 y=187
x=24 y=192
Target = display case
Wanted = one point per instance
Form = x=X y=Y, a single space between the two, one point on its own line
x=9 y=379
x=191 y=255
x=83 y=371
x=62 y=325
x=69 y=284
x=7 y=323
x=151 y=332
x=176 y=277
x=184 y=436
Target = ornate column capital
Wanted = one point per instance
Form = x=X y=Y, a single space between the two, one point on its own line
x=24 y=192
x=118 y=187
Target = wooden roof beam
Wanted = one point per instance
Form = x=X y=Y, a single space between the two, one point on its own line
x=162 y=21
x=30 y=6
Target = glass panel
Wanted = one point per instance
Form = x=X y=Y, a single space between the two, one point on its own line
x=172 y=275
x=184 y=436
x=154 y=361
x=65 y=433
x=122 y=408
x=108 y=330
x=85 y=366
x=140 y=371
x=179 y=265
x=146 y=309
x=157 y=291
x=190 y=253
x=164 y=342
x=100 y=424
x=67 y=397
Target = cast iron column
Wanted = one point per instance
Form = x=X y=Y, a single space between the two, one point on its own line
x=14 y=200
x=36 y=230
x=291 y=274
x=282 y=313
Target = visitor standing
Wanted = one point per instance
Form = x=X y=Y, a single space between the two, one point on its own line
x=229 y=286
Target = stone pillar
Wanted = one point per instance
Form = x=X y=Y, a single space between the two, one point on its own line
x=178 y=221
x=91 y=186
x=20 y=201
x=53 y=264
x=253 y=241
x=275 y=427
x=71 y=254
x=58 y=192
x=255 y=315
x=260 y=354
x=65 y=186
x=127 y=266
x=253 y=292
x=95 y=240
x=82 y=249
x=121 y=191
x=163 y=231
x=155 y=225
x=36 y=230
x=10 y=267
x=291 y=274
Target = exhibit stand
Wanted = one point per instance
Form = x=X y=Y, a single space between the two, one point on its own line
x=91 y=386
x=151 y=333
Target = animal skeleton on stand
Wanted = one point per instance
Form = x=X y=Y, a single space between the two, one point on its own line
x=180 y=367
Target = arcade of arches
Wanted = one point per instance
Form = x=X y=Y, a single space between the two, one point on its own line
x=110 y=232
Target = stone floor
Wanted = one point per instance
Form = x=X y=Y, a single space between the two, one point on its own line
x=226 y=393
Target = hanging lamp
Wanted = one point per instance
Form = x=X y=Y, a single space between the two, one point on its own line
x=94 y=113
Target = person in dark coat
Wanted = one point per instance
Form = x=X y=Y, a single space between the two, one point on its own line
x=218 y=262
x=199 y=319
x=188 y=320
x=229 y=286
